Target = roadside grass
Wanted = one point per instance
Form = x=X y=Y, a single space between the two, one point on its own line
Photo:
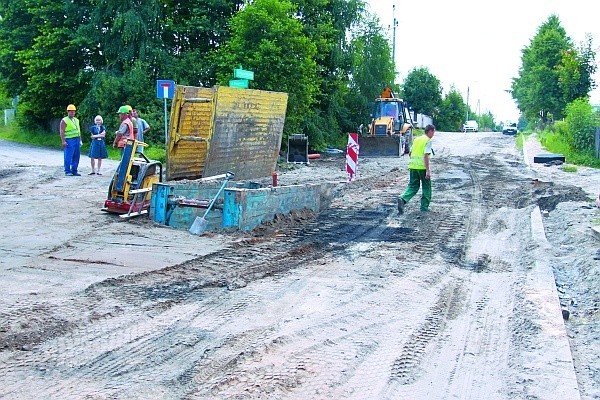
x=522 y=138
x=13 y=133
x=569 y=168
x=554 y=143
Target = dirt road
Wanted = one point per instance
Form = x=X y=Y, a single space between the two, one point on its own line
x=356 y=302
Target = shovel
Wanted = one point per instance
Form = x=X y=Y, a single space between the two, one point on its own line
x=200 y=223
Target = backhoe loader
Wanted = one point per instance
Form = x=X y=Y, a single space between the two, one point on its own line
x=390 y=132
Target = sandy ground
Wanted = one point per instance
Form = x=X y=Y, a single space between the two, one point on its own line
x=357 y=302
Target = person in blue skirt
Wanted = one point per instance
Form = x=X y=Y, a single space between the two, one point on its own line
x=97 y=147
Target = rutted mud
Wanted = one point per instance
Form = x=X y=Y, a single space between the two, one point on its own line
x=355 y=302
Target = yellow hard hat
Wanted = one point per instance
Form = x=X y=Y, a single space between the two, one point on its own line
x=129 y=108
x=71 y=107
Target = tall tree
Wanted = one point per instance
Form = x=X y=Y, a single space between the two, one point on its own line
x=576 y=70
x=371 y=71
x=267 y=39
x=452 y=112
x=326 y=23
x=118 y=32
x=17 y=33
x=192 y=31
x=423 y=91
x=53 y=65
x=552 y=73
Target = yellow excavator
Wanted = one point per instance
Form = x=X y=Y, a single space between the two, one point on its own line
x=390 y=132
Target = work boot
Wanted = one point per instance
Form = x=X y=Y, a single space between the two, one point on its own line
x=401 y=204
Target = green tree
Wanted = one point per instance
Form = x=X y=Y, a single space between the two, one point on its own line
x=119 y=32
x=192 y=31
x=326 y=23
x=552 y=73
x=576 y=70
x=53 y=65
x=267 y=39
x=17 y=33
x=372 y=69
x=486 y=122
x=423 y=91
x=452 y=112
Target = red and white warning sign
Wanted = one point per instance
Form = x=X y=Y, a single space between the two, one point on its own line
x=352 y=156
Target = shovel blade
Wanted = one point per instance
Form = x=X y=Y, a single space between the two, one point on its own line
x=199 y=226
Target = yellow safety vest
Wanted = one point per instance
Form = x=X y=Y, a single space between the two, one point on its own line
x=72 y=129
x=417 y=153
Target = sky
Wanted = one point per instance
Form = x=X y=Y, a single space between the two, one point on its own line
x=476 y=45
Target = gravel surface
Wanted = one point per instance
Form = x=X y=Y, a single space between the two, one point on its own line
x=356 y=302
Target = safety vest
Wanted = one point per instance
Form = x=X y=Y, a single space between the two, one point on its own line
x=72 y=129
x=129 y=135
x=417 y=153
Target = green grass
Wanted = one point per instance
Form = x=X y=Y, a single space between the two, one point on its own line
x=521 y=138
x=554 y=143
x=569 y=168
x=13 y=133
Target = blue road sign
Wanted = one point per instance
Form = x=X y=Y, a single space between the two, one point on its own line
x=165 y=89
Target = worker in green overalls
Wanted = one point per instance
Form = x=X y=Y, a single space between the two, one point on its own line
x=420 y=171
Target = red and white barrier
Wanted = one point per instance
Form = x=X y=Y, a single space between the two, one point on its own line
x=352 y=156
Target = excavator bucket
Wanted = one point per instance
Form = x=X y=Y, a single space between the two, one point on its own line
x=379 y=146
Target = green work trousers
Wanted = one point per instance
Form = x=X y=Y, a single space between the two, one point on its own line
x=417 y=180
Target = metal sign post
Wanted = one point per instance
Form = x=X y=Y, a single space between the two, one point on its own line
x=165 y=90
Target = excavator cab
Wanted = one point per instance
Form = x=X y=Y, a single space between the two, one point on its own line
x=387 y=117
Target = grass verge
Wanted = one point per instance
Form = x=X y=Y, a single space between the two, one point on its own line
x=13 y=133
x=553 y=142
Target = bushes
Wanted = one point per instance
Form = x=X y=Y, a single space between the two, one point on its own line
x=581 y=122
x=574 y=136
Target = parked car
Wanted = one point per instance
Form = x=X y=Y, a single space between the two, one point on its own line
x=470 y=126
x=510 y=128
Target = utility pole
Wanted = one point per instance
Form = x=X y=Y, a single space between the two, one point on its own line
x=394 y=25
x=467 y=104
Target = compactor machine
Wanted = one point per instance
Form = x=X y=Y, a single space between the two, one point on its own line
x=130 y=189
x=389 y=134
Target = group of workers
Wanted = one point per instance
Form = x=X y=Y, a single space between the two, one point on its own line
x=134 y=127
x=131 y=127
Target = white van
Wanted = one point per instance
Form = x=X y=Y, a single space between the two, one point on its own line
x=510 y=128
x=470 y=126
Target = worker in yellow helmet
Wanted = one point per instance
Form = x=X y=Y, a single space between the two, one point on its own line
x=420 y=171
x=70 y=135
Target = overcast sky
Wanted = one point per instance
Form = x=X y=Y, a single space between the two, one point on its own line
x=477 y=44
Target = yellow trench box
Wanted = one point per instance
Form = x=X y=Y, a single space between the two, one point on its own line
x=220 y=129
